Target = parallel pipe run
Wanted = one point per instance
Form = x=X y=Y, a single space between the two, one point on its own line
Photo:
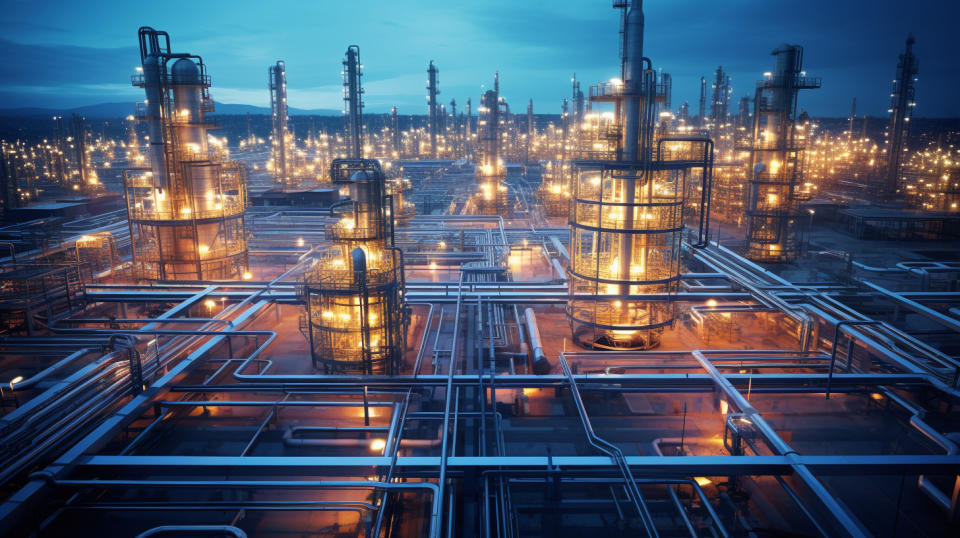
x=260 y=484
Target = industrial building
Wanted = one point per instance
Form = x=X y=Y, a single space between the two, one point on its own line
x=611 y=318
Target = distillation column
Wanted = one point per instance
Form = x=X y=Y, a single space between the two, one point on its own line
x=467 y=134
x=531 y=131
x=703 y=102
x=776 y=159
x=901 y=108
x=490 y=172
x=433 y=109
x=186 y=210
x=279 y=118
x=356 y=316
x=353 y=101
x=395 y=132
x=626 y=214
x=79 y=127
x=720 y=111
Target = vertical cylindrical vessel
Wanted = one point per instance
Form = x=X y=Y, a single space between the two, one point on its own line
x=433 y=112
x=626 y=216
x=901 y=108
x=353 y=101
x=277 y=75
x=186 y=210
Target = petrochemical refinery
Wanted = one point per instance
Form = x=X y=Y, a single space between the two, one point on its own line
x=614 y=313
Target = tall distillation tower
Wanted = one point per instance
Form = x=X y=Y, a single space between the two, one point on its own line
x=776 y=160
x=576 y=115
x=433 y=109
x=81 y=175
x=467 y=132
x=354 y=295
x=353 y=101
x=901 y=109
x=626 y=214
x=395 y=133
x=186 y=210
x=720 y=111
x=531 y=131
x=703 y=102
x=491 y=199
x=278 y=115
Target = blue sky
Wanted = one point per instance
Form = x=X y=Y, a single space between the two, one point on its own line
x=67 y=53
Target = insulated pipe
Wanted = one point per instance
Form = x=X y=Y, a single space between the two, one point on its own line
x=33 y=380
x=561 y=273
x=560 y=248
x=540 y=363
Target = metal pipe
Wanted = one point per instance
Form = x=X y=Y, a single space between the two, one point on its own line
x=541 y=365
x=192 y=530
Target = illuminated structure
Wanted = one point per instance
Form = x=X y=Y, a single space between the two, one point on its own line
x=18 y=176
x=554 y=191
x=185 y=211
x=720 y=112
x=531 y=131
x=490 y=173
x=720 y=104
x=278 y=119
x=626 y=215
x=931 y=178
x=467 y=131
x=395 y=135
x=901 y=109
x=80 y=175
x=776 y=161
x=403 y=209
x=355 y=317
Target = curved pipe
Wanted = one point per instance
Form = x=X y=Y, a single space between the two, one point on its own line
x=190 y=530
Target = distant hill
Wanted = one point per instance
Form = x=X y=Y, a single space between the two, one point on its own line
x=123 y=109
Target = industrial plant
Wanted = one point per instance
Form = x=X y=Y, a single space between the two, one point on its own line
x=611 y=314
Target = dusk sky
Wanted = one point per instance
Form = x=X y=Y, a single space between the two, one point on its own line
x=67 y=53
